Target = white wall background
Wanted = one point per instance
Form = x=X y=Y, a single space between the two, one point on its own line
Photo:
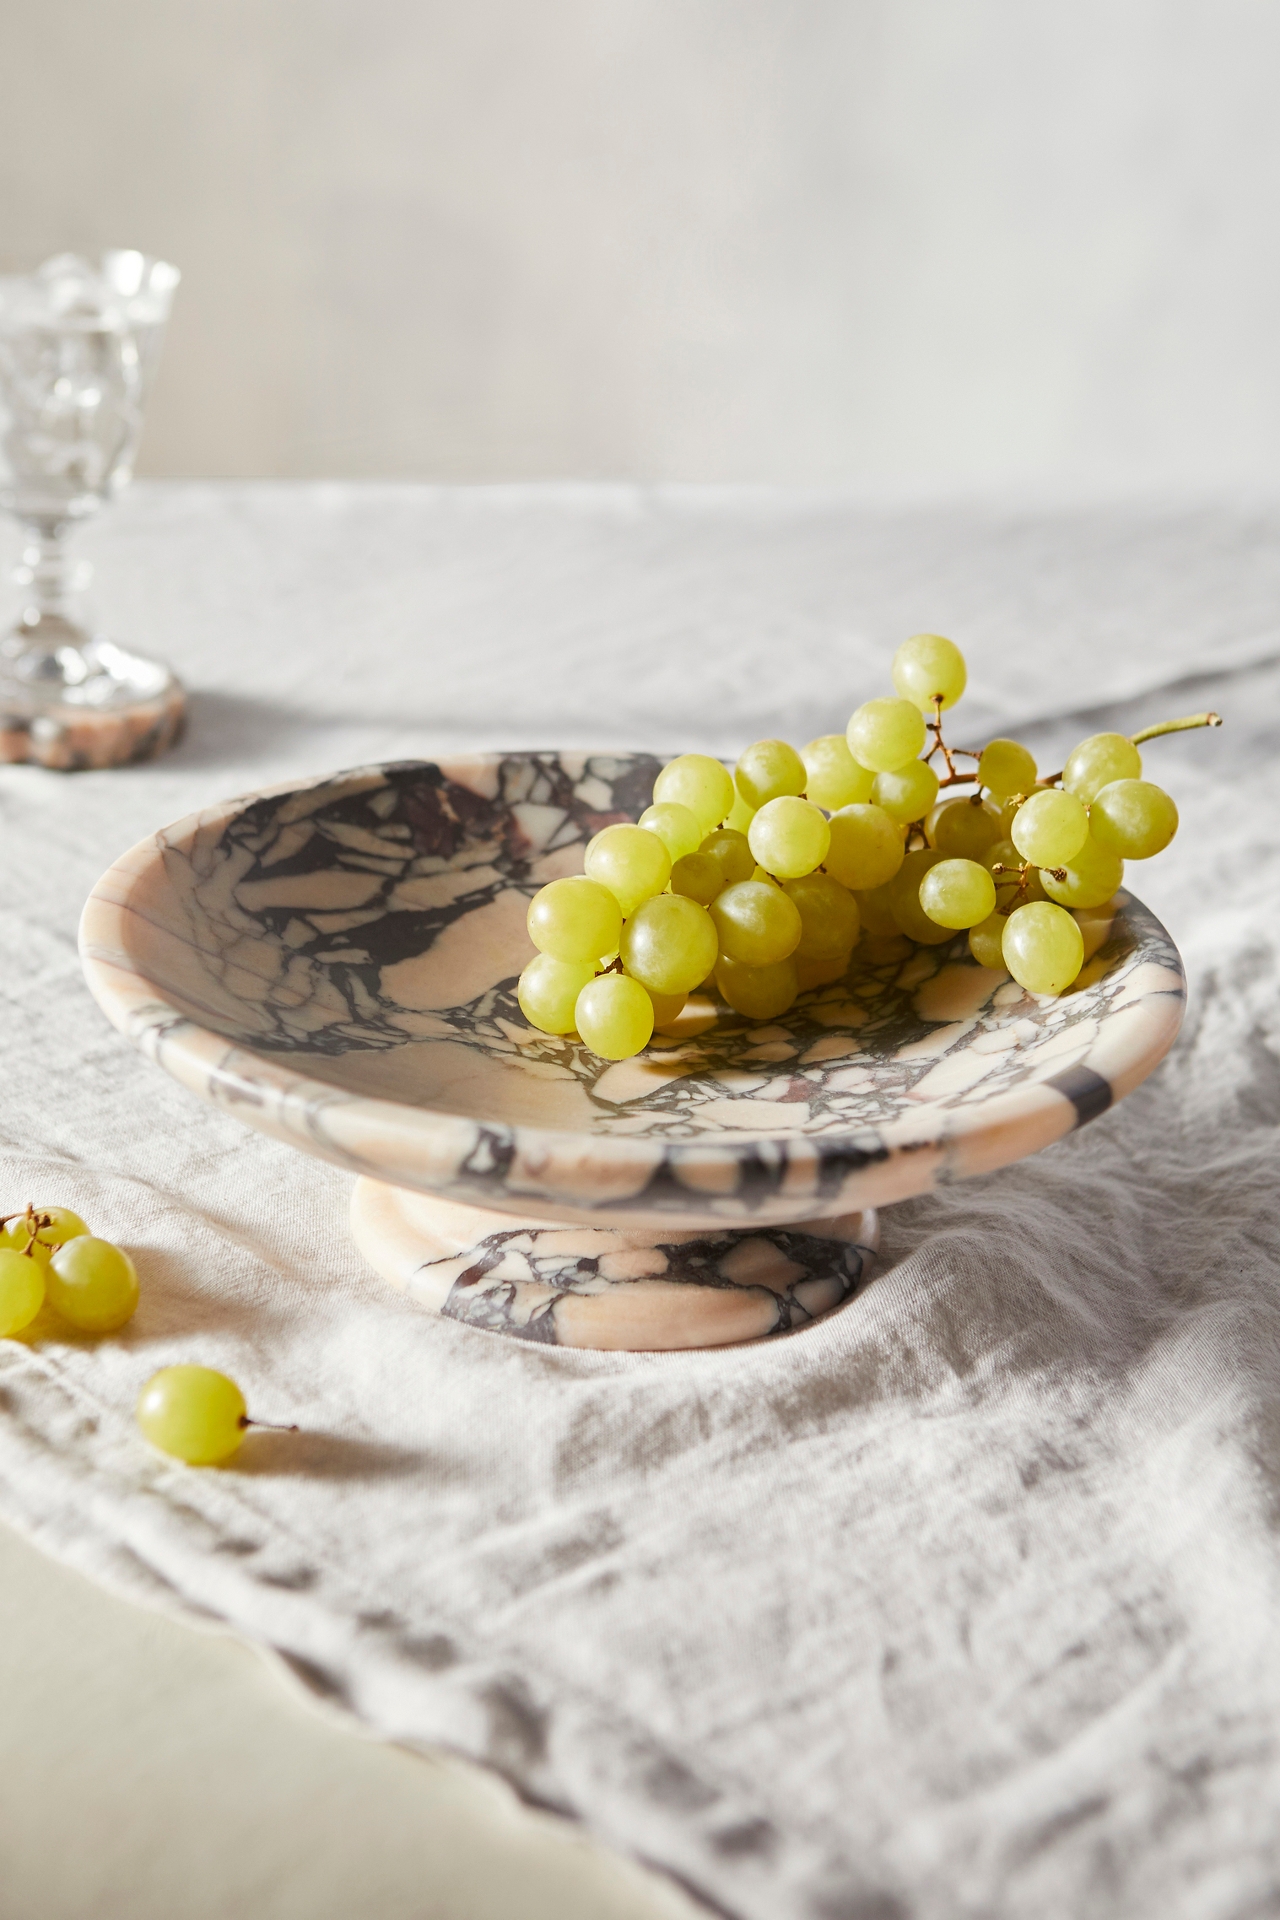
x=894 y=243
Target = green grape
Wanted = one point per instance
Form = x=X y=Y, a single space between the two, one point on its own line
x=614 y=1016
x=1050 y=828
x=767 y=770
x=1005 y=854
x=93 y=1285
x=669 y=944
x=194 y=1414
x=1092 y=877
x=986 y=942
x=21 y=1290
x=866 y=847
x=833 y=777
x=763 y=992
x=904 y=897
x=667 y=1007
x=699 y=876
x=789 y=837
x=698 y=782
x=821 y=973
x=1133 y=818
x=907 y=794
x=875 y=911
x=1006 y=768
x=632 y=863
x=575 y=919
x=740 y=814
x=958 y=894
x=927 y=666
x=756 y=923
x=548 y=991
x=885 y=734
x=828 y=916
x=963 y=829
x=63 y=1225
x=679 y=830
x=732 y=851
x=1043 y=948
x=1099 y=760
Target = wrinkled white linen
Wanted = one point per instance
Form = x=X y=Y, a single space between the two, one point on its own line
x=960 y=1603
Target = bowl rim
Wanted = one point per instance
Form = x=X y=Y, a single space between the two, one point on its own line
x=580 y=1173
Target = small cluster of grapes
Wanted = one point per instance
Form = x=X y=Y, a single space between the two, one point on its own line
x=763 y=884
x=48 y=1253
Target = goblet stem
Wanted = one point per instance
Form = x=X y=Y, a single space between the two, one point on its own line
x=46 y=645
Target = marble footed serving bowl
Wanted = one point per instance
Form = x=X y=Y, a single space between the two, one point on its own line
x=336 y=965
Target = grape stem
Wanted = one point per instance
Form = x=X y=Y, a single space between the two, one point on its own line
x=1184 y=725
x=34 y=1223
x=276 y=1426
x=614 y=966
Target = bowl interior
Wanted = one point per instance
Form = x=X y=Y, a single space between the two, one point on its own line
x=368 y=932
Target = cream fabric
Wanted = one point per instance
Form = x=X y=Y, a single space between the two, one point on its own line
x=959 y=1603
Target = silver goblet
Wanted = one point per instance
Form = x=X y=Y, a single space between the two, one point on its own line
x=79 y=344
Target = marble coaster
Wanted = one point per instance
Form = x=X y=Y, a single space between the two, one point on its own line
x=608 y=1287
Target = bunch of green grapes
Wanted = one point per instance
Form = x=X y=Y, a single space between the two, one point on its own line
x=760 y=885
x=48 y=1253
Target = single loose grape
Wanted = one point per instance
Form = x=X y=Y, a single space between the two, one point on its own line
x=885 y=734
x=1099 y=760
x=193 y=1413
x=631 y=862
x=904 y=897
x=866 y=847
x=875 y=911
x=907 y=794
x=828 y=916
x=768 y=770
x=22 y=1233
x=1133 y=818
x=575 y=919
x=698 y=782
x=548 y=991
x=1050 y=828
x=963 y=829
x=614 y=1016
x=790 y=837
x=699 y=876
x=986 y=942
x=92 y=1284
x=756 y=923
x=833 y=777
x=1092 y=877
x=679 y=830
x=1043 y=948
x=926 y=668
x=1005 y=855
x=22 y=1280
x=958 y=894
x=1006 y=768
x=762 y=993
x=733 y=852
x=669 y=944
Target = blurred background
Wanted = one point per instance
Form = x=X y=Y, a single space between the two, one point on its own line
x=900 y=245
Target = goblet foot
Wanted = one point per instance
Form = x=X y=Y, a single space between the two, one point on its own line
x=624 y=1289
x=85 y=703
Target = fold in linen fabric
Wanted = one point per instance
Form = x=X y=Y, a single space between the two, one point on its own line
x=961 y=1602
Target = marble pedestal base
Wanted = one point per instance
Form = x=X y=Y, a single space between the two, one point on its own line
x=631 y=1289
x=126 y=709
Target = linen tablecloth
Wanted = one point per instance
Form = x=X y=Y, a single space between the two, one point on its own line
x=960 y=1603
